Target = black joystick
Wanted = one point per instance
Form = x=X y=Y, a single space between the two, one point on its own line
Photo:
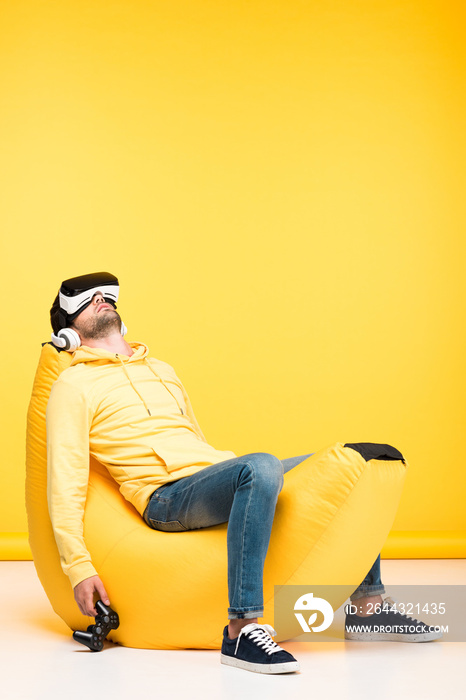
x=105 y=620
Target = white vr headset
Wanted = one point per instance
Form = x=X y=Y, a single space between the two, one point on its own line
x=74 y=296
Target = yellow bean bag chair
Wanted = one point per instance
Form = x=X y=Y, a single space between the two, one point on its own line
x=170 y=589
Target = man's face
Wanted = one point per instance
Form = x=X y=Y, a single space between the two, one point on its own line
x=98 y=320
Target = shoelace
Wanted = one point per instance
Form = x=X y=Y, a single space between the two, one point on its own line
x=261 y=635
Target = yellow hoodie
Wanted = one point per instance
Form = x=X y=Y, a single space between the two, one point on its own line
x=134 y=416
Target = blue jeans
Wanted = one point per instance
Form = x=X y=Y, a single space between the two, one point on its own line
x=242 y=491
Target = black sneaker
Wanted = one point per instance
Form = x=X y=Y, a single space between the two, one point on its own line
x=255 y=650
x=388 y=625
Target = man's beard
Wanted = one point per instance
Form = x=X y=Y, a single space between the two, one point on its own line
x=103 y=324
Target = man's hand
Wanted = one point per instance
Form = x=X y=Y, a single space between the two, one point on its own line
x=84 y=595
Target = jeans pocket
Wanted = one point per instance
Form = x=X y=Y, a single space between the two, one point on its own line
x=167 y=526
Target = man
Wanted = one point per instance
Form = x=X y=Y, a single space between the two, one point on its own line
x=134 y=415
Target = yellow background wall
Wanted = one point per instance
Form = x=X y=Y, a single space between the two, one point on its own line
x=279 y=186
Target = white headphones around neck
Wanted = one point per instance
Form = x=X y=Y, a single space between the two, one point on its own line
x=68 y=339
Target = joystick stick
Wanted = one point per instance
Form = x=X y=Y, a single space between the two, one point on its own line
x=105 y=621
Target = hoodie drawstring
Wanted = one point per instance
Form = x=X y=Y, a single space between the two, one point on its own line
x=130 y=381
x=160 y=379
x=157 y=376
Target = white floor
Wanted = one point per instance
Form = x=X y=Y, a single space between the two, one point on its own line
x=39 y=659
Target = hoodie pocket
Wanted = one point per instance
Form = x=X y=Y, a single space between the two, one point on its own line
x=182 y=451
x=159 y=457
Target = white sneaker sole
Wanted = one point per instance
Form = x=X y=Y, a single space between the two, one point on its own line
x=392 y=637
x=288 y=667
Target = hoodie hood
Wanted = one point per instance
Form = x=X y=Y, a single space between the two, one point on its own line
x=101 y=357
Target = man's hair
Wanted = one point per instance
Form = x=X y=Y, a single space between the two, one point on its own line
x=54 y=319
